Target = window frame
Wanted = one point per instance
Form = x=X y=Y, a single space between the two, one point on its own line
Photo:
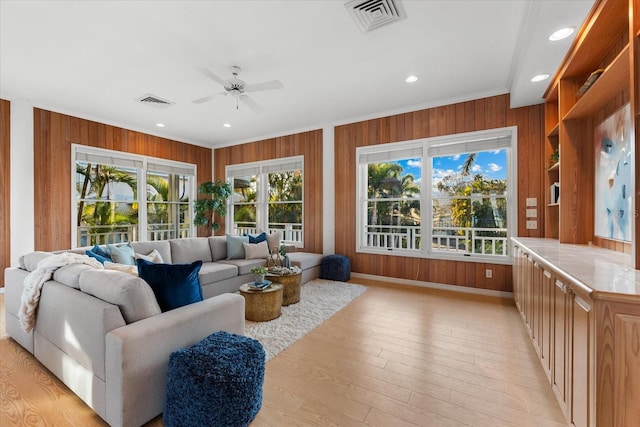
x=476 y=139
x=142 y=164
x=263 y=169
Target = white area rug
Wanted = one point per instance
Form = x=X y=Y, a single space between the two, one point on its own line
x=319 y=300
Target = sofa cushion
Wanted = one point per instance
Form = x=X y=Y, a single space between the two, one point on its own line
x=122 y=254
x=218 y=245
x=161 y=246
x=131 y=294
x=30 y=261
x=174 y=285
x=305 y=260
x=257 y=238
x=69 y=275
x=216 y=271
x=186 y=251
x=256 y=250
x=125 y=268
x=98 y=253
x=234 y=246
x=153 y=256
x=273 y=240
x=244 y=266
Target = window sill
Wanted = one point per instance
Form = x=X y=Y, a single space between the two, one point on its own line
x=488 y=259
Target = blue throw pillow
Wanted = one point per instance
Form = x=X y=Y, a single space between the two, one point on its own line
x=98 y=253
x=174 y=285
x=235 y=250
x=123 y=254
x=262 y=237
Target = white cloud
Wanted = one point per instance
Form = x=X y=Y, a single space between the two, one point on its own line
x=497 y=151
x=414 y=163
x=476 y=168
x=494 y=167
x=441 y=173
x=455 y=157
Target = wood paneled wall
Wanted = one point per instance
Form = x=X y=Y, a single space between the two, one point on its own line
x=53 y=135
x=487 y=113
x=307 y=144
x=5 y=185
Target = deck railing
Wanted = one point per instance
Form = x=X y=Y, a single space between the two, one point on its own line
x=89 y=235
x=291 y=232
x=484 y=241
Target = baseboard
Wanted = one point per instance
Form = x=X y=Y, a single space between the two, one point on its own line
x=453 y=288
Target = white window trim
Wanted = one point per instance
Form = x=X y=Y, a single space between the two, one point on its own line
x=260 y=168
x=141 y=180
x=426 y=193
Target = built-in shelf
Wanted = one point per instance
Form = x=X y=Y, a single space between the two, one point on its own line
x=553 y=204
x=613 y=80
x=554 y=131
x=555 y=167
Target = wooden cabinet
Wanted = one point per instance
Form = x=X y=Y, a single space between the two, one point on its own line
x=608 y=41
x=587 y=340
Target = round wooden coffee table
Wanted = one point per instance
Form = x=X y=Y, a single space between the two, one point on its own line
x=291 y=283
x=261 y=306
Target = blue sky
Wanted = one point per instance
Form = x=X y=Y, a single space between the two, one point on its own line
x=491 y=164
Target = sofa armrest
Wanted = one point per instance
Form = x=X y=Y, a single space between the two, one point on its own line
x=137 y=355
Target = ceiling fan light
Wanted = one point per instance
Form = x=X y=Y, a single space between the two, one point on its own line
x=160 y=125
x=562 y=33
x=227 y=125
x=411 y=79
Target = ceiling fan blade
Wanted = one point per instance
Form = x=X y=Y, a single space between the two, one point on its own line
x=274 y=84
x=212 y=76
x=204 y=99
x=251 y=104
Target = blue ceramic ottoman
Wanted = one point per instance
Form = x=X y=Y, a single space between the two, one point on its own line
x=216 y=382
x=335 y=267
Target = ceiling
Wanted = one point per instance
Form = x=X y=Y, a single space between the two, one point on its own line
x=92 y=59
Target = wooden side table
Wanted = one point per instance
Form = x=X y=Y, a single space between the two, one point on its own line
x=291 y=283
x=261 y=306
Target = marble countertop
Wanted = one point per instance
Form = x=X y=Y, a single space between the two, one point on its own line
x=600 y=270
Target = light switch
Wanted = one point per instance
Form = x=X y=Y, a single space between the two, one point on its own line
x=532 y=213
x=532 y=201
x=532 y=225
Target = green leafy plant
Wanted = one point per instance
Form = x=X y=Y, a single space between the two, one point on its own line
x=259 y=270
x=216 y=203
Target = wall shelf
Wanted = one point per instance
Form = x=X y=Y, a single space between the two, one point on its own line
x=613 y=80
x=554 y=131
x=555 y=167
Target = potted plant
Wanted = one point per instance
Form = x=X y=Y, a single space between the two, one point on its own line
x=205 y=209
x=258 y=273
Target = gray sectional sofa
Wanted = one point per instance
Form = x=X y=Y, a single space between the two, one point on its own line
x=112 y=349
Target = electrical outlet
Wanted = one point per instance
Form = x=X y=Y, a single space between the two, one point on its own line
x=532 y=213
x=532 y=225
x=488 y=273
x=532 y=201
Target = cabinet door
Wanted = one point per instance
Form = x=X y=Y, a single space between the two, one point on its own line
x=580 y=375
x=546 y=331
x=560 y=336
x=536 y=305
x=528 y=293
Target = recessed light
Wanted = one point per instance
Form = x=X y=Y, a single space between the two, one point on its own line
x=539 y=77
x=160 y=125
x=227 y=125
x=562 y=33
x=411 y=79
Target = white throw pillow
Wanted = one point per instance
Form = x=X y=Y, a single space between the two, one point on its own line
x=130 y=269
x=273 y=240
x=153 y=256
x=255 y=250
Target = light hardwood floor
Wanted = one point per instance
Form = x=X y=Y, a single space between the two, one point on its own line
x=396 y=356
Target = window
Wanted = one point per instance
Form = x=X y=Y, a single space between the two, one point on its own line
x=124 y=198
x=268 y=196
x=462 y=184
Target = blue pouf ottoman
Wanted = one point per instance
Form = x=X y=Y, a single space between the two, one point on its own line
x=216 y=382
x=335 y=267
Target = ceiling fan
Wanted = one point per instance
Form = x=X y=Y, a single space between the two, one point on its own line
x=238 y=88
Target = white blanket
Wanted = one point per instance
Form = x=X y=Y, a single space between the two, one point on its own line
x=32 y=285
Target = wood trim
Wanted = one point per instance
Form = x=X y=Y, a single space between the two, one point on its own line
x=307 y=144
x=53 y=135
x=468 y=116
x=5 y=187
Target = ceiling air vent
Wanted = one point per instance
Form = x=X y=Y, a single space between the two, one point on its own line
x=372 y=14
x=154 y=101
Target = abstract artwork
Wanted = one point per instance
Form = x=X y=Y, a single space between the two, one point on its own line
x=613 y=176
